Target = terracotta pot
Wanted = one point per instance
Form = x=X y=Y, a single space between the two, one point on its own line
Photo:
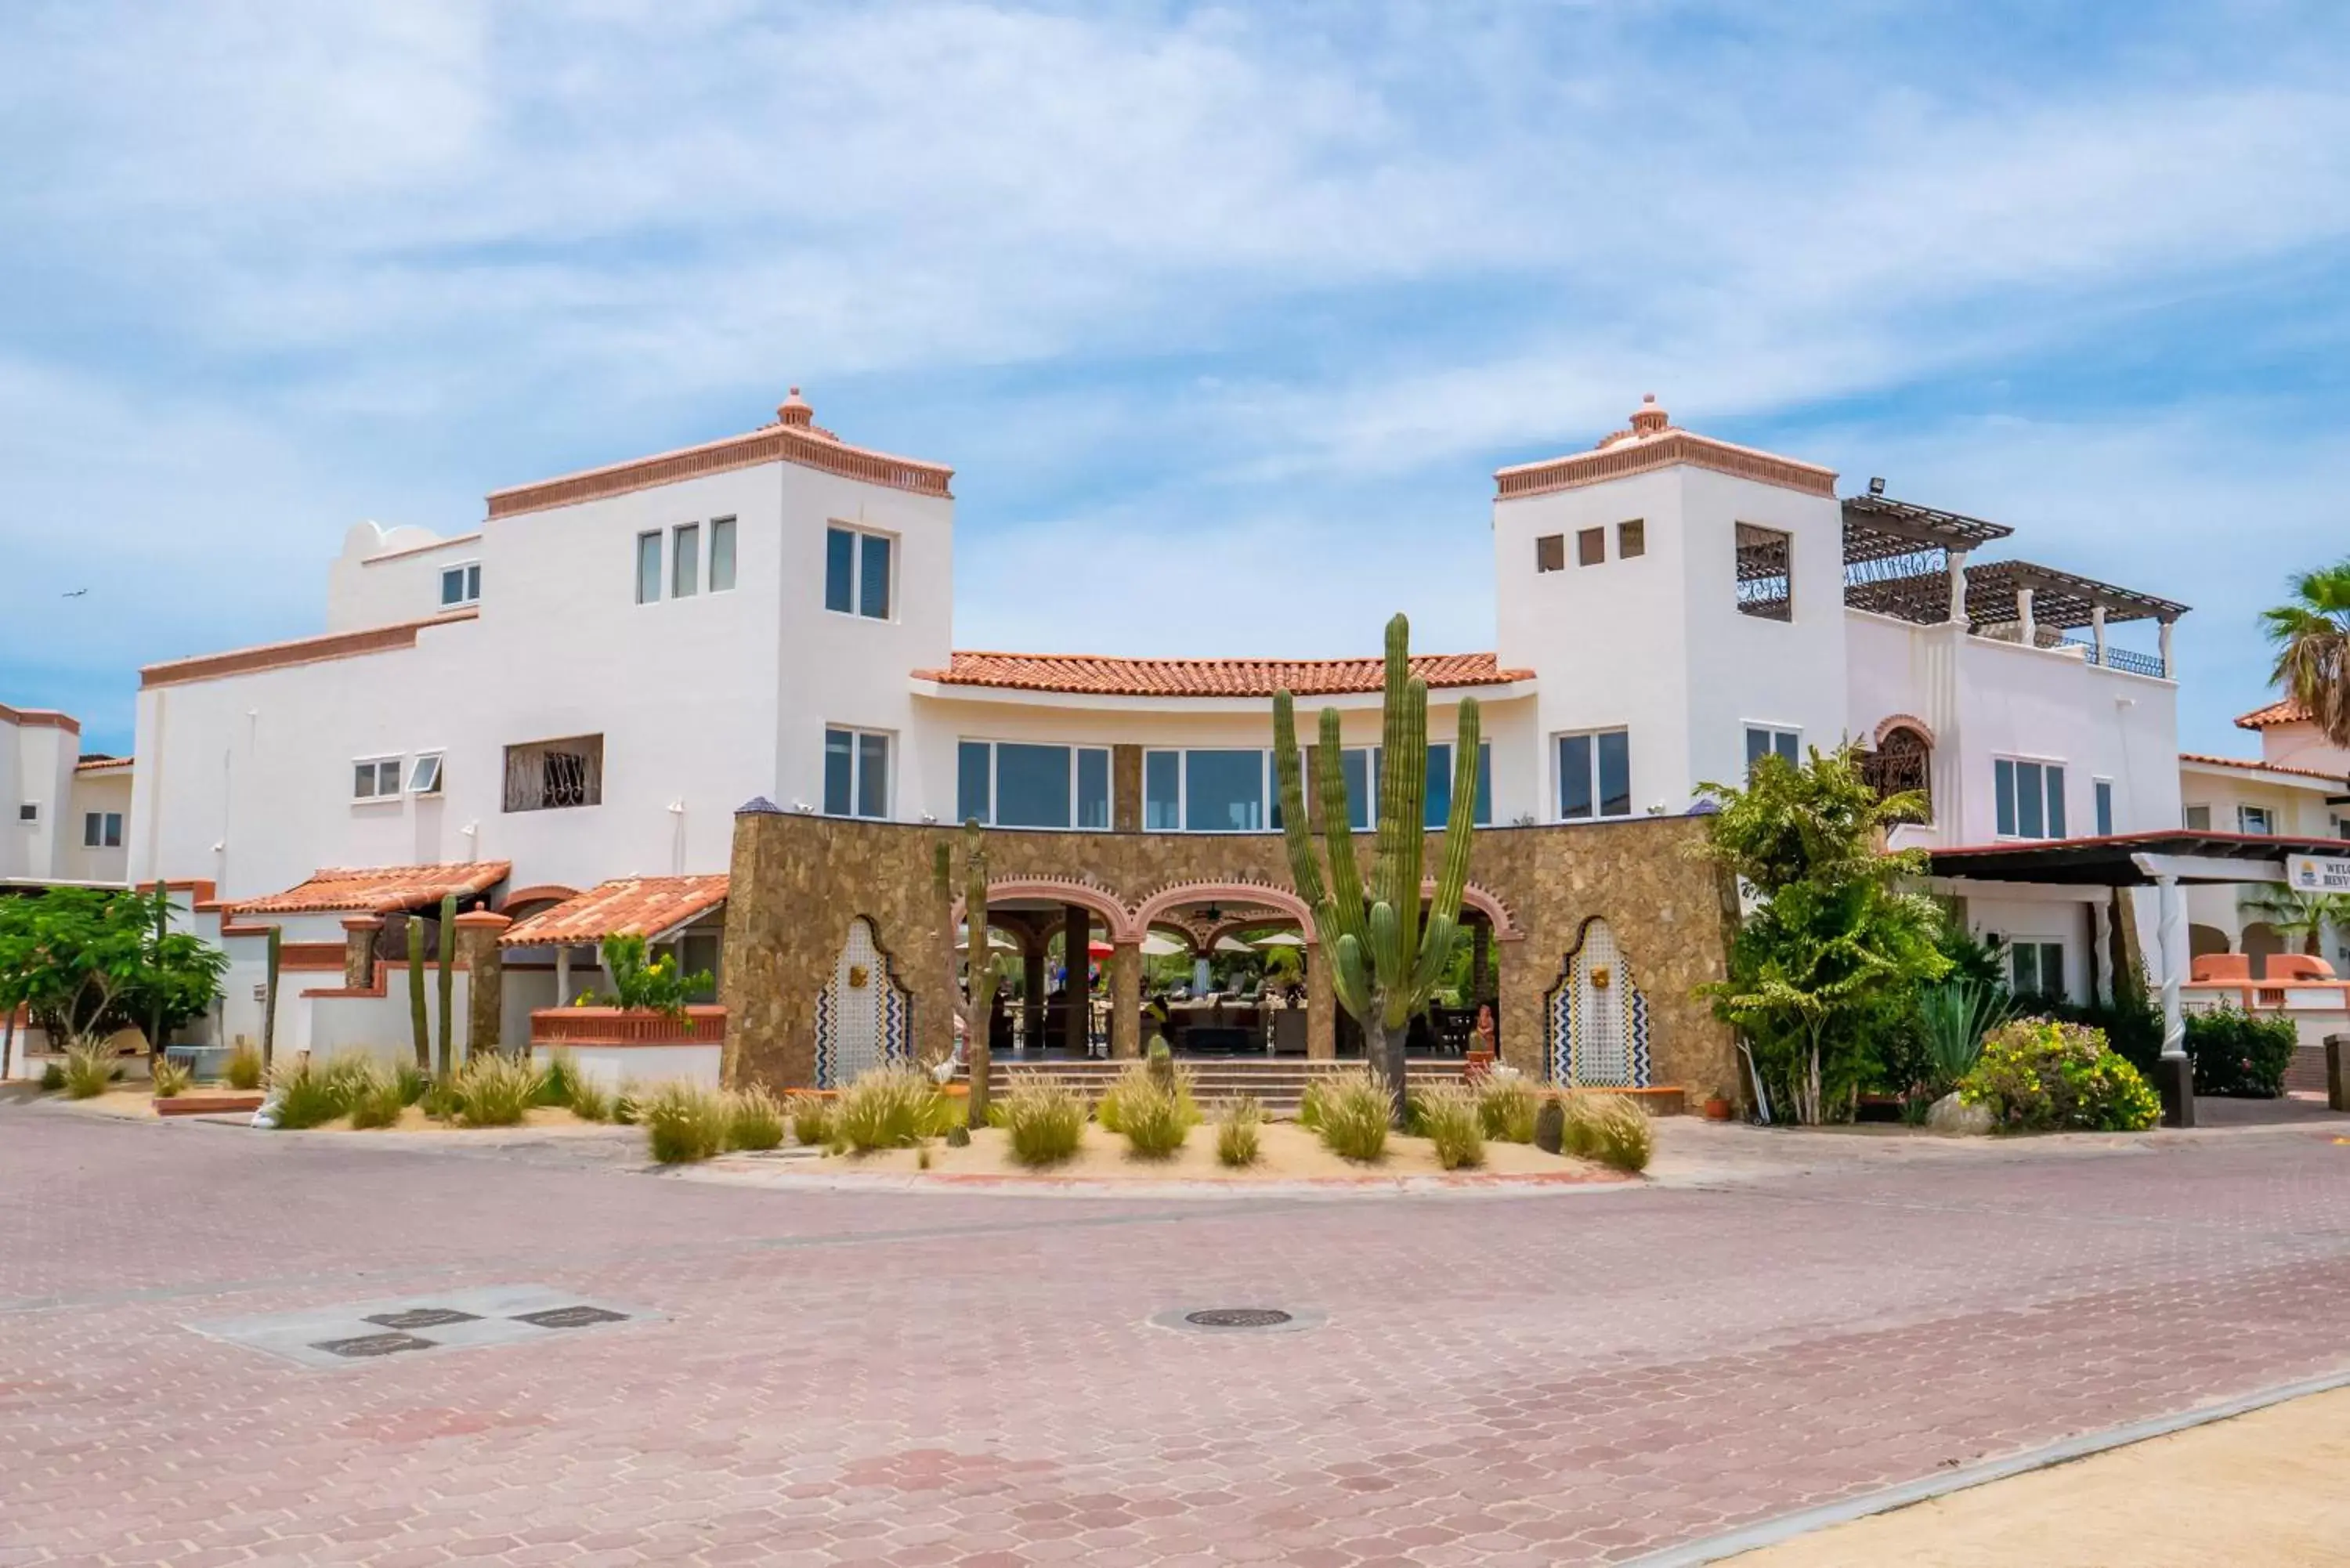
x=1716 y=1108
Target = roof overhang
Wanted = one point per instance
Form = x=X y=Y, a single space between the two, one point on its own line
x=1253 y=707
x=653 y=907
x=2131 y=859
x=2258 y=772
x=376 y=889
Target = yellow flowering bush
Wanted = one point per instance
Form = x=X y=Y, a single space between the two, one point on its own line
x=2037 y=1074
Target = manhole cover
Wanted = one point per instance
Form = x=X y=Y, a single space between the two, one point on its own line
x=1237 y=1318
x=571 y=1317
x=421 y=1317
x=369 y=1345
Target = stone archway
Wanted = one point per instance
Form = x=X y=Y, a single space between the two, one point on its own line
x=862 y=1015
x=1596 y=1019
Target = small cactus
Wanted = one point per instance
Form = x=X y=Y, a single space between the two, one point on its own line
x=448 y=980
x=1161 y=1065
x=1550 y=1127
x=269 y=996
x=416 y=1023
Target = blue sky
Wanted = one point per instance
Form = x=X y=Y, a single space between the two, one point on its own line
x=1258 y=296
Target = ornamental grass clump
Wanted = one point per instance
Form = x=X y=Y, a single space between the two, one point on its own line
x=170 y=1077
x=495 y=1090
x=755 y=1119
x=1157 y=1120
x=558 y=1081
x=590 y=1101
x=243 y=1068
x=1350 y=1111
x=1450 y=1117
x=89 y=1068
x=890 y=1107
x=1506 y=1106
x=1238 y=1136
x=350 y=1074
x=305 y=1095
x=378 y=1101
x=2037 y=1074
x=1043 y=1124
x=811 y=1119
x=684 y=1123
x=1609 y=1128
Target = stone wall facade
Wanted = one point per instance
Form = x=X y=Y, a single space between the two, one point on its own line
x=797 y=882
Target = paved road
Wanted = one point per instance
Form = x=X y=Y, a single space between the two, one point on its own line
x=921 y=1380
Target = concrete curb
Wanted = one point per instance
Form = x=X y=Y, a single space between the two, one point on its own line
x=1787 y=1527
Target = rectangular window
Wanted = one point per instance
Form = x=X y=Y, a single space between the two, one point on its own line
x=1362 y=795
x=857 y=573
x=2036 y=968
x=1766 y=581
x=424 y=774
x=93 y=829
x=974 y=781
x=1590 y=547
x=649 y=567
x=1595 y=775
x=2199 y=819
x=855 y=773
x=1093 y=788
x=554 y=776
x=1631 y=539
x=1020 y=785
x=2257 y=819
x=1550 y=553
x=30 y=810
x=1437 y=809
x=1162 y=792
x=2105 y=808
x=1223 y=791
x=375 y=778
x=1032 y=786
x=2031 y=798
x=1763 y=741
x=685 y=561
x=461 y=584
x=722 y=554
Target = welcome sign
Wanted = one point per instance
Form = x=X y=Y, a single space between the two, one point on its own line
x=2319 y=873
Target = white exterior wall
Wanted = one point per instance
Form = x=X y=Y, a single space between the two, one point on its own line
x=386 y=575
x=101 y=792
x=37 y=761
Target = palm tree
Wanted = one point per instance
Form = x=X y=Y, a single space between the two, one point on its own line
x=2297 y=915
x=2311 y=636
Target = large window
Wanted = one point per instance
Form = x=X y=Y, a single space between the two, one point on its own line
x=648 y=566
x=1766 y=580
x=1223 y=791
x=552 y=775
x=2031 y=798
x=1015 y=785
x=855 y=773
x=857 y=573
x=1762 y=742
x=102 y=830
x=1595 y=775
x=1365 y=769
x=461 y=584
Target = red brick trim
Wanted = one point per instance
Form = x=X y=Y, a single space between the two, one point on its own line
x=1644 y=454
x=774 y=443
x=301 y=650
x=39 y=719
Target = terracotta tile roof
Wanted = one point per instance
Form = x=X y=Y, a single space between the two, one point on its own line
x=1097 y=676
x=377 y=889
x=300 y=650
x=1652 y=442
x=2253 y=764
x=96 y=761
x=2289 y=711
x=629 y=906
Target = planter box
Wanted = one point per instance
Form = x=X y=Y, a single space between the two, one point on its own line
x=570 y=1026
x=209 y=1101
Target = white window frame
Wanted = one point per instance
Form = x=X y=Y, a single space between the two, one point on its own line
x=659 y=536
x=1268 y=786
x=733 y=555
x=2267 y=814
x=438 y=757
x=2101 y=805
x=1776 y=733
x=1558 y=780
x=2187 y=811
x=857 y=733
x=469 y=584
x=2040 y=946
x=2064 y=770
x=396 y=761
x=858 y=534
x=102 y=830
x=681 y=557
x=995 y=782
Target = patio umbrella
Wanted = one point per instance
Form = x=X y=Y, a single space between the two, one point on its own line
x=995 y=939
x=1281 y=940
x=1233 y=945
x=1100 y=949
x=1158 y=946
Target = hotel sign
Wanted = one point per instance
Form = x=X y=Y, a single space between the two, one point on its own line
x=2318 y=873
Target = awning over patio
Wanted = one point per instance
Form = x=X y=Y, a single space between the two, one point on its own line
x=377 y=889
x=652 y=908
x=2133 y=859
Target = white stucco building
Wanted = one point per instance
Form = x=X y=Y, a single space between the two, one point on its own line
x=68 y=814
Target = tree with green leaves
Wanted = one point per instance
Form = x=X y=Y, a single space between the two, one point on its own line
x=1385 y=962
x=644 y=983
x=1831 y=936
x=2311 y=633
x=84 y=962
x=2297 y=914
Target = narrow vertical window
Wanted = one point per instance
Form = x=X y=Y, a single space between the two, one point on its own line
x=839 y=570
x=1550 y=553
x=93 y=824
x=2003 y=777
x=1162 y=791
x=1631 y=538
x=975 y=762
x=872 y=776
x=1766 y=583
x=722 y=554
x=873 y=578
x=2055 y=801
x=839 y=772
x=1093 y=787
x=2105 y=808
x=2031 y=802
x=649 y=567
x=113 y=830
x=1437 y=809
x=685 y=562
x=1614 y=774
x=1575 y=797
x=1591 y=546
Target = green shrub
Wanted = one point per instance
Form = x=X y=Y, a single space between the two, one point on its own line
x=2038 y=1075
x=2240 y=1056
x=811 y=1118
x=590 y=1101
x=1045 y=1124
x=754 y=1120
x=89 y=1068
x=52 y=1077
x=170 y=1077
x=495 y=1090
x=685 y=1122
x=1238 y=1133
x=556 y=1080
x=1953 y=1016
x=1610 y=1128
x=890 y=1107
x=1110 y=1109
x=1452 y=1118
x=1506 y=1107
x=412 y=1081
x=306 y=1096
x=378 y=1102
x=1351 y=1114
x=243 y=1068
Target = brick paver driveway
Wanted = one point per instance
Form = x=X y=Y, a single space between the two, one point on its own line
x=840 y=1378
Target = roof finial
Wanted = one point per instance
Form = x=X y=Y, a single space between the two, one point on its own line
x=795 y=410
x=1648 y=419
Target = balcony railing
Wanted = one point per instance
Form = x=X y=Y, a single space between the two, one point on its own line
x=623 y=1026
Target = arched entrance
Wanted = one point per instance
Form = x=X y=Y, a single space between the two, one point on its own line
x=1226 y=970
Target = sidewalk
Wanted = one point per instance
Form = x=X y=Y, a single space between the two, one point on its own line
x=2262 y=1490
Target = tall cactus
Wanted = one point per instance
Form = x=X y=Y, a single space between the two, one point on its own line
x=269 y=997
x=448 y=942
x=1384 y=961
x=416 y=1023
x=981 y=961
